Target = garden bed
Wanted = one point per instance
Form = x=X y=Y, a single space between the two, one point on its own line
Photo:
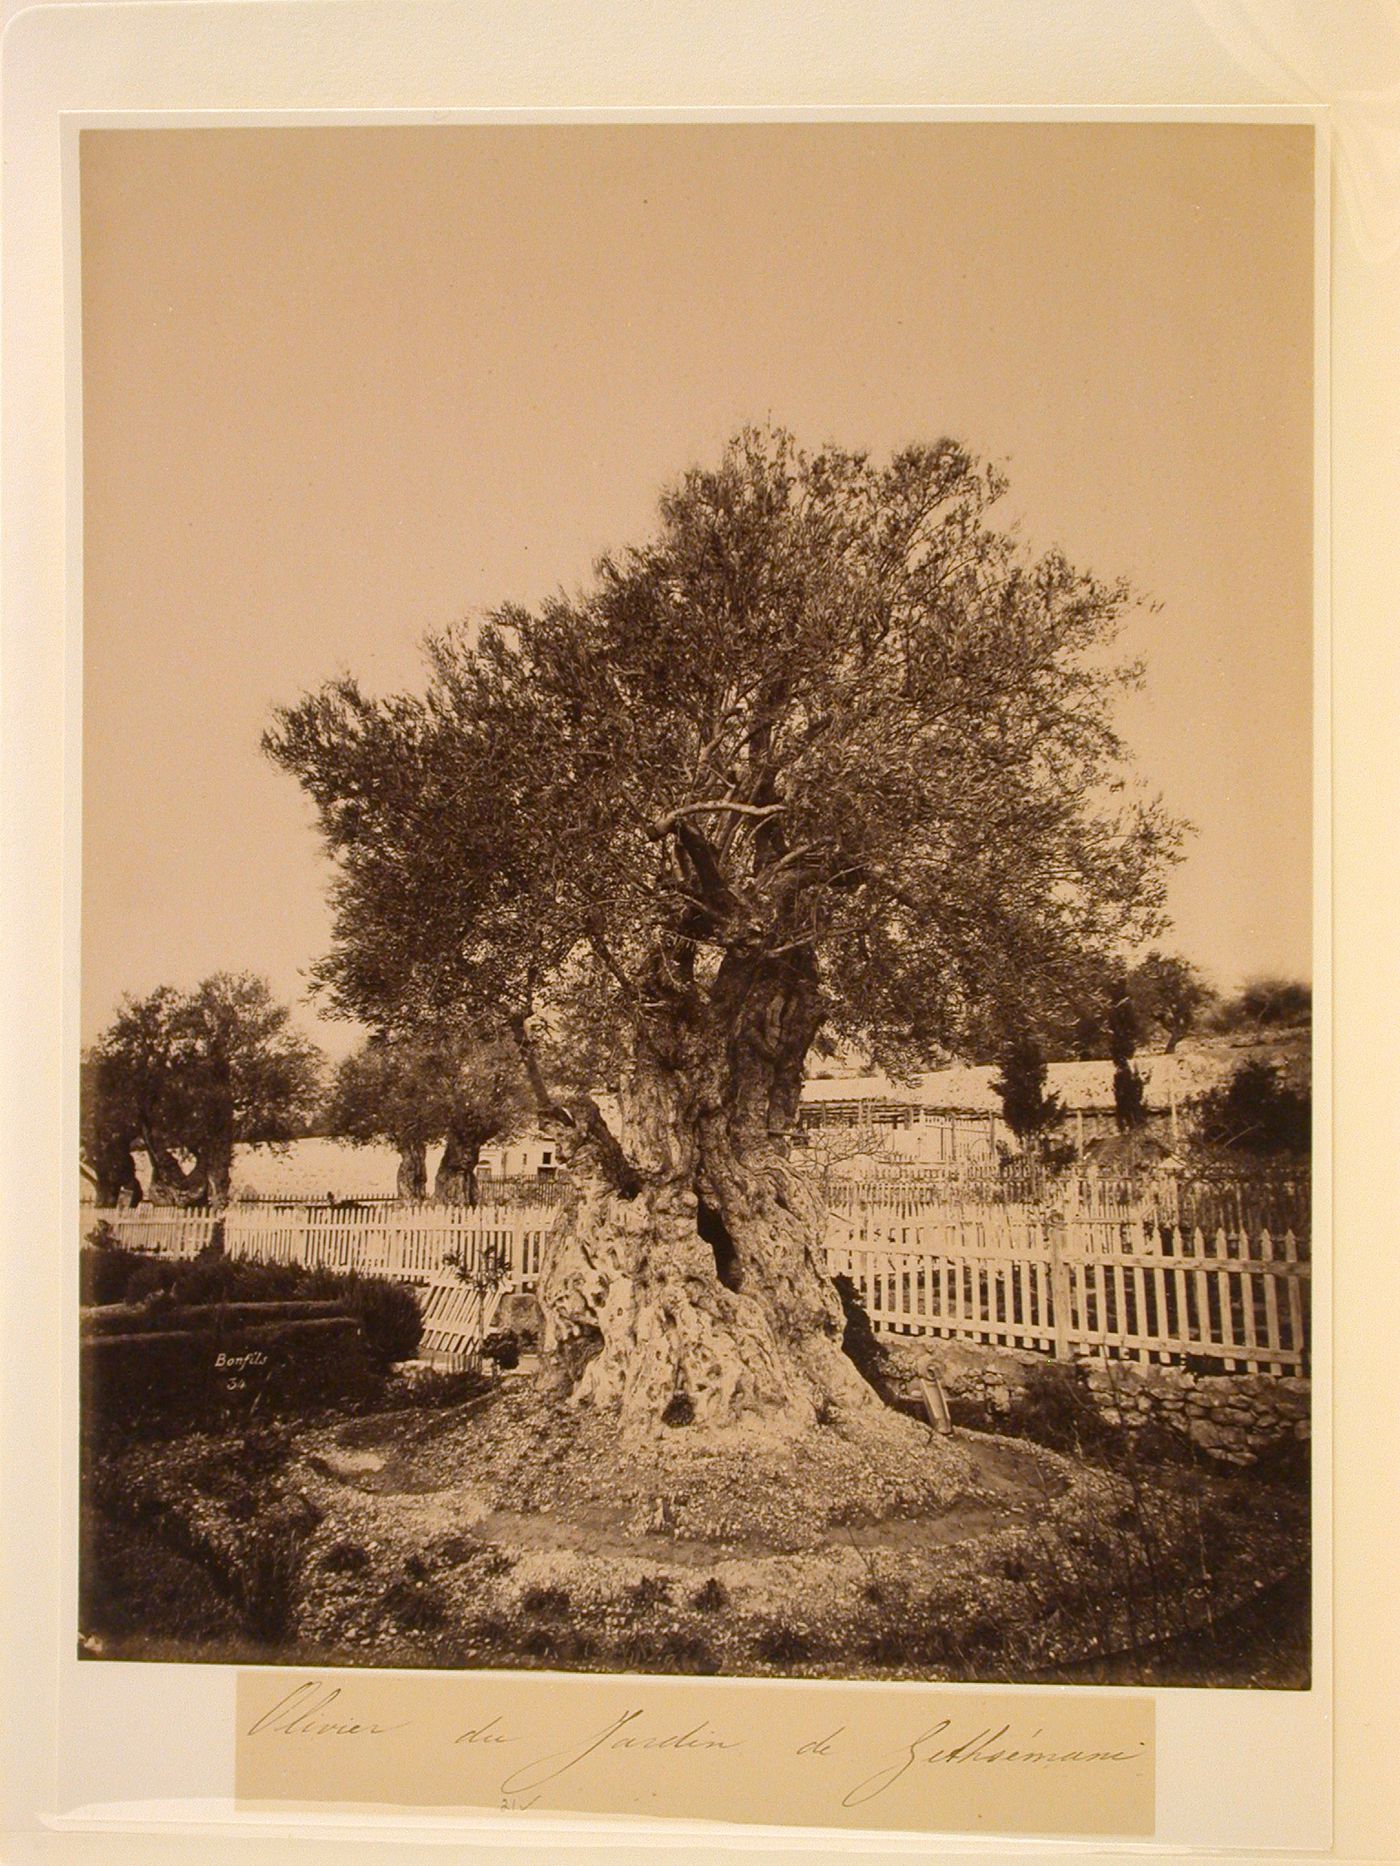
x=506 y=1532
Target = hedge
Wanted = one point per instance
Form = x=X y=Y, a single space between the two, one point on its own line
x=388 y=1313
x=176 y=1378
x=139 y=1318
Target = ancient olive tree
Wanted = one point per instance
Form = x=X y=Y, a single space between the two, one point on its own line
x=191 y=1074
x=412 y=1091
x=830 y=749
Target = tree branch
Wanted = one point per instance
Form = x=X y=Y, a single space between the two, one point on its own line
x=673 y=818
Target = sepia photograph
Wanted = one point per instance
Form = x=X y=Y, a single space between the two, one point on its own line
x=697 y=899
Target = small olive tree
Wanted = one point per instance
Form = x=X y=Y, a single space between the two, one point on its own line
x=193 y=1074
x=411 y=1091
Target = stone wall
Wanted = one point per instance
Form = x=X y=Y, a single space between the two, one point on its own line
x=1234 y=1417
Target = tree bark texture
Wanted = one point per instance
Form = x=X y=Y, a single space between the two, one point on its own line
x=691 y=1284
x=456 y=1181
x=412 y=1180
x=170 y=1183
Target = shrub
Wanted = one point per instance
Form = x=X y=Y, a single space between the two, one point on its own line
x=389 y=1317
x=417 y=1606
x=651 y=1591
x=544 y=1600
x=260 y=1453
x=888 y=1646
x=256 y=1570
x=266 y=1571
x=129 y=1582
x=346 y=1558
x=575 y=1646
x=684 y=1651
x=1255 y=1112
x=212 y=1277
x=155 y=1277
x=1053 y=1409
x=437 y=1388
x=322 y=1284
x=104 y=1270
x=780 y=1643
x=502 y=1348
x=675 y=1650
x=711 y=1597
x=249 y=1279
x=1266 y=1003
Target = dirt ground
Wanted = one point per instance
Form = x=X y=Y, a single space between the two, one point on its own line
x=498 y=1533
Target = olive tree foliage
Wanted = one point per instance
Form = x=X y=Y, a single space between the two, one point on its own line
x=192 y=1074
x=1266 y=1003
x=413 y=1091
x=1170 y=995
x=830 y=750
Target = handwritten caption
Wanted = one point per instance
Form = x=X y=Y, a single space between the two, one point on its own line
x=523 y=1761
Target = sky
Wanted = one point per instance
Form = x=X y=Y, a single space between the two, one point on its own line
x=344 y=385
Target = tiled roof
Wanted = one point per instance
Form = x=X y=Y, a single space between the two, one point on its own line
x=310 y=1169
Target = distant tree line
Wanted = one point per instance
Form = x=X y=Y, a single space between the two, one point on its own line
x=1158 y=1001
x=185 y=1077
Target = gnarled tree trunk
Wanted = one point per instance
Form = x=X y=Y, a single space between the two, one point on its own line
x=690 y=1278
x=212 y=1177
x=456 y=1183
x=170 y=1183
x=115 y=1174
x=412 y=1179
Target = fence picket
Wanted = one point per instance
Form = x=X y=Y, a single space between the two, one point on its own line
x=1152 y=1280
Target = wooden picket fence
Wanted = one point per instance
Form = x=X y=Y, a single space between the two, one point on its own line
x=1135 y=1290
x=454 y=1323
x=406 y=1243
x=1208 y=1272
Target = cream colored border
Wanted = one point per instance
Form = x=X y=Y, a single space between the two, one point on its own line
x=105 y=61
x=1195 y=1803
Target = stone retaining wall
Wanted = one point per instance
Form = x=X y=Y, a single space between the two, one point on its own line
x=1234 y=1417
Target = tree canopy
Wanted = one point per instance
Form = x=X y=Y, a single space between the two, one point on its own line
x=1265 y=1003
x=412 y=1091
x=829 y=711
x=1169 y=995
